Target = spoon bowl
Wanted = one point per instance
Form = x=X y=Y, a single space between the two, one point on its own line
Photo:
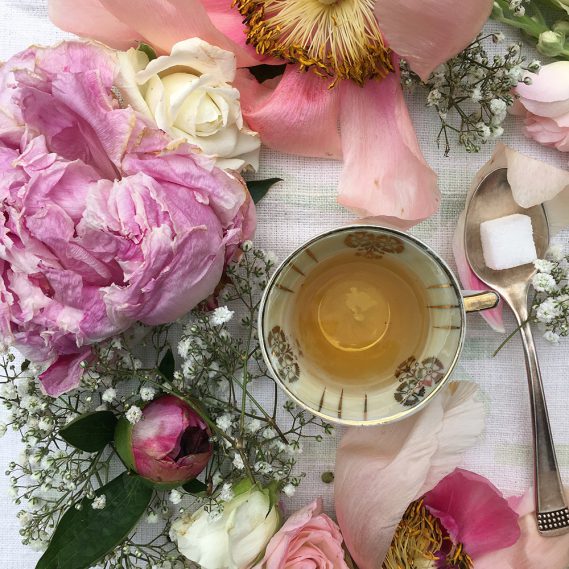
x=493 y=199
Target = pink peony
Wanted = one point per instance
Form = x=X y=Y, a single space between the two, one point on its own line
x=308 y=538
x=545 y=105
x=105 y=220
x=169 y=445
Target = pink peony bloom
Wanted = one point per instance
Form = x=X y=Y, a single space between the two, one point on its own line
x=545 y=105
x=308 y=538
x=363 y=119
x=105 y=221
x=169 y=445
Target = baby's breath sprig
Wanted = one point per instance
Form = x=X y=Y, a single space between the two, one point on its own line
x=551 y=304
x=472 y=91
x=221 y=373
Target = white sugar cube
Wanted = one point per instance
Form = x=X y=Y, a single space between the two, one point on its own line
x=508 y=242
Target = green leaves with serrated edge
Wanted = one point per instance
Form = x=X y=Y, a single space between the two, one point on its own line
x=168 y=365
x=259 y=188
x=85 y=536
x=148 y=50
x=91 y=432
x=196 y=488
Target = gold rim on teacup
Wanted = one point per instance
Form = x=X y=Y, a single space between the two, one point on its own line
x=416 y=379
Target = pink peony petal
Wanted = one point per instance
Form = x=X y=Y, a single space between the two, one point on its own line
x=65 y=373
x=549 y=85
x=299 y=116
x=162 y=23
x=88 y=18
x=384 y=172
x=430 y=32
x=474 y=513
x=532 y=551
x=393 y=465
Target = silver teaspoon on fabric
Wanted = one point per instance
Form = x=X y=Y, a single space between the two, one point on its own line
x=492 y=199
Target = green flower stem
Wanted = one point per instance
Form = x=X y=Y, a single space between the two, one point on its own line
x=533 y=26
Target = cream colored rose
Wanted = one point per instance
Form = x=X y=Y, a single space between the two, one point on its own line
x=189 y=95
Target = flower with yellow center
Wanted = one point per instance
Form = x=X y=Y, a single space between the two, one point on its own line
x=336 y=38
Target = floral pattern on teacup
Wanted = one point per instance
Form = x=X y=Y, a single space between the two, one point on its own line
x=287 y=368
x=373 y=246
x=416 y=379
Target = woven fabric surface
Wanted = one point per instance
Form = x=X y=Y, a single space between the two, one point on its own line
x=304 y=205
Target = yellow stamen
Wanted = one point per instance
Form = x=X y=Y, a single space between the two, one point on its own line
x=334 y=38
x=419 y=538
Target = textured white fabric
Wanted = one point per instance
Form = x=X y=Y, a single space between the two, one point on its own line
x=303 y=205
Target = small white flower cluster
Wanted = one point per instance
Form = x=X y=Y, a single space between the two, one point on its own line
x=517 y=7
x=551 y=304
x=472 y=92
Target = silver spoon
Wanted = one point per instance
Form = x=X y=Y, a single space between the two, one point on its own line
x=492 y=199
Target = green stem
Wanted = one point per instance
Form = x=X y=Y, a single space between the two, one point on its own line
x=510 y=336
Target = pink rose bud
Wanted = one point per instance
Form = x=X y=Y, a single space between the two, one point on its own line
x=169 y=445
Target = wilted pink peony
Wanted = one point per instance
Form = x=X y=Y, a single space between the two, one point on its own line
x=545 y=105
x=105 y=220
x=308 y=538
x=169 y=445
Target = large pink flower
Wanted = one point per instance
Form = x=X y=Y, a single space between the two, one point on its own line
x=350 y=44
x=104 y=221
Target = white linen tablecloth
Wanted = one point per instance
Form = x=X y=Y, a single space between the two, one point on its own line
x=303 y=205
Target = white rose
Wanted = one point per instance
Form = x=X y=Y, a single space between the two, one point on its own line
x=189 y=95
x=235 y=538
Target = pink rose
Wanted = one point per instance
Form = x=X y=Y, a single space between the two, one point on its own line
x=169 y=445
x=308 y=538
x=105 y=220
x=545 y=105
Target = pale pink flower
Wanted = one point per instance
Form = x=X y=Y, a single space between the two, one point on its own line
x=308 y=538
x=104 y=221
x=544 y=104
x=381 y=470
x=362 y=119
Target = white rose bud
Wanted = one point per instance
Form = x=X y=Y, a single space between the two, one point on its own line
x=235 y=538
x=189 y=95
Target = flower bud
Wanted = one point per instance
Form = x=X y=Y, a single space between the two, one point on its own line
x=551 y=43
x=561 y=27
x=169 y=445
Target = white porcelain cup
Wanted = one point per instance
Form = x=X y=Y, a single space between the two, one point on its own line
x=413 y=381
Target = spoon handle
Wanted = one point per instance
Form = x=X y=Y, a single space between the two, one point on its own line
x=551 y=508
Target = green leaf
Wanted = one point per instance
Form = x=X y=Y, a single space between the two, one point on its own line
x=85 y=536
x=264 y=72
x=148 y=50
x=259 y=188
x=90 y=432
x=123 y=442
x=168 y=365
x=196 y=488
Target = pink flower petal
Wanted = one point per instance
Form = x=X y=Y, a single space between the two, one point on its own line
x=549 y=85
x=532 y=551
x=429 y=32
x=65 y=373
x=299 y=116
x=384 y=172
x=162 y=23
x=393 y=465
x=88 y=18
x=474 y=512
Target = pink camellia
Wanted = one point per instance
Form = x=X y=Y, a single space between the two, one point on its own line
x=308 y=538
x=105 y=220
x=169 y=445
x=544 y=104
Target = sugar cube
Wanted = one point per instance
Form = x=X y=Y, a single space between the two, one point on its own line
x=507 y=242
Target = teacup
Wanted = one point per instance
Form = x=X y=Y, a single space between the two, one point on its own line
x=363 y=325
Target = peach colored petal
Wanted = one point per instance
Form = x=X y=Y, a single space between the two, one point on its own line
x=299 y=115
x=385 y=174
x=162 y=23
x=428 y=32
x=531 y=551
x=88 y=18
x=549 y=85
x=390 y=466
